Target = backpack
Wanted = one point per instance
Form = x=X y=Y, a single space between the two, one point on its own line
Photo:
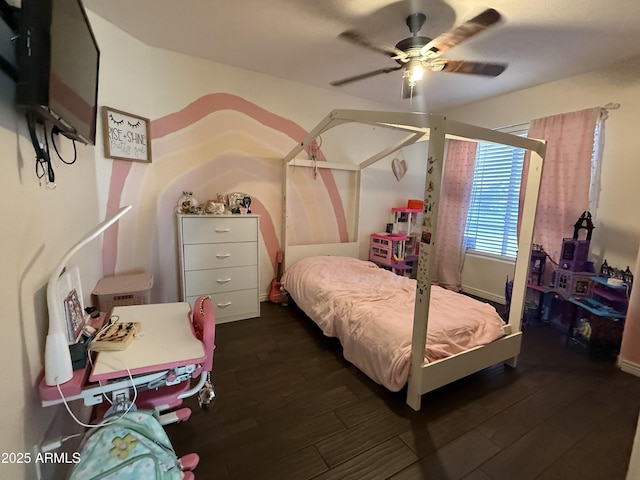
x=133 y=447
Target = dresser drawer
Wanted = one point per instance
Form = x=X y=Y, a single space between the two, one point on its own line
x=234 y=305
x=220 y=255
x=220 y=229
x=219 y=280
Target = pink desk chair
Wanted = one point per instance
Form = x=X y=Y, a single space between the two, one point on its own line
x=168 y=398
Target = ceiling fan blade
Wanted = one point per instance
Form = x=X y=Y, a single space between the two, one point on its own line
x=362 y=76
x=358 y=39
x=462 y=32
x=473 y=68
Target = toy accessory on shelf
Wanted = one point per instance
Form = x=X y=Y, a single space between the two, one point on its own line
x=616 y=276
x=538 y=264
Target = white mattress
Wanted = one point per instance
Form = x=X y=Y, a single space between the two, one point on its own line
x=371 y=311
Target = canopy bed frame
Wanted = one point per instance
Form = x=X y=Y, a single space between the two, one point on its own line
x=425 y=377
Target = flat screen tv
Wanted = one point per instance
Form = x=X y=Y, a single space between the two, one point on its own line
x=58 y=64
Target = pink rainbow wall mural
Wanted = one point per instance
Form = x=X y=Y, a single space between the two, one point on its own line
x=219 y=143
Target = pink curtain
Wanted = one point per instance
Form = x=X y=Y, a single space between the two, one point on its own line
x=452 y=215
x=566 y=175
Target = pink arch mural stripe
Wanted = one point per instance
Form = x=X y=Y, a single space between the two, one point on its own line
x=267 y=229
x=183 y=118
x=119 y=172
x=214 y=102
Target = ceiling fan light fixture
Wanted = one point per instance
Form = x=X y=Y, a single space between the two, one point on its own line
x=417 y=53
x=414 y=72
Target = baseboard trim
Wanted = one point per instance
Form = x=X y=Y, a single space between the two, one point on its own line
x=629 y=367
x=482 y=294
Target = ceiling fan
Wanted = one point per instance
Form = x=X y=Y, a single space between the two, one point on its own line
x=417 y=53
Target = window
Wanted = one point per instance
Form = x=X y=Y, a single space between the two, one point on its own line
x=492 y=220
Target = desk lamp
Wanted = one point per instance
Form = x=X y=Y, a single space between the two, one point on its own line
x=57 y=357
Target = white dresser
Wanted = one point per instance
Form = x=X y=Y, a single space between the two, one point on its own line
x=219 y=257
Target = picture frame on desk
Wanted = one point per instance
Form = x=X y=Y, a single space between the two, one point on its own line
x=74 y=315
x=126 y=136
x=70 y=304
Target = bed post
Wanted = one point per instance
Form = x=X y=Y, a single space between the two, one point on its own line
x=433 y=180
x=284 y=222
x=524 y=244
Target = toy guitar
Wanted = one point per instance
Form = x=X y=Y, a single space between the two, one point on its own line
x=275 y=292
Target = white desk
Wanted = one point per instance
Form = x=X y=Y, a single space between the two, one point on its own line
x=166 y=340
x=166 y=344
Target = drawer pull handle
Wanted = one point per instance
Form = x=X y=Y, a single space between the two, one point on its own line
x=223 y=255
x=222 y=230
x=223 y=305
x=223 y=280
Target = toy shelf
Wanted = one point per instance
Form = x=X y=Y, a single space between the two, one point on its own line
x=397 y=249
x=596 y=308
x=598 y=326
x=405 y=220
x=387 y=249
x=615 y=291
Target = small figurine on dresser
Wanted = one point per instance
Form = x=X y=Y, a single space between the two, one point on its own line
x=186 y=203
x=246 y=203
x=214 y=207
x=235 y=201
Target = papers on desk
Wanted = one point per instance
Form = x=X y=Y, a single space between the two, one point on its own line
x=117 y=336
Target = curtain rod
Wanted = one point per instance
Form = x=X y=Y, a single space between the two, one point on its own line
x=518 y=126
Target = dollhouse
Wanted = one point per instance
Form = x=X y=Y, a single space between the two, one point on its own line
x=591 y=308
x=397 y=248
x=574 y=272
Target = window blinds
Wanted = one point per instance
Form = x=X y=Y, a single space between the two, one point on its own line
x=493 y=211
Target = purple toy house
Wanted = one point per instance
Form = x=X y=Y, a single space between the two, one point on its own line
x=572 y=276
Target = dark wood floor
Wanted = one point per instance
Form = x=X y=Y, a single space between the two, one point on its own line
x=290 y=407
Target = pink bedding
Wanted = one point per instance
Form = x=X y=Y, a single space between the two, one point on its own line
x=371 y=311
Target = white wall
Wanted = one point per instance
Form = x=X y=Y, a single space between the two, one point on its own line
x=39 y=225
x=378 y=198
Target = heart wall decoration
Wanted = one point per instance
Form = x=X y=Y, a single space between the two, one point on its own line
x=399 y=167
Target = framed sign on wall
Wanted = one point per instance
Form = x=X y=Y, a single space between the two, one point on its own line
x=126 y=136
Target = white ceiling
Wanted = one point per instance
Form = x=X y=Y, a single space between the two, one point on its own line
x=541 y=40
